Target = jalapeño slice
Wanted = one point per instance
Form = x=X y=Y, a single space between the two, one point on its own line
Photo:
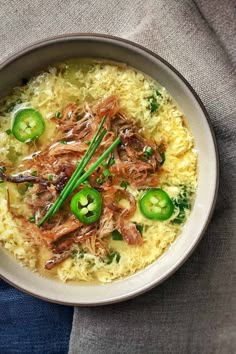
x=156 y=204
x=86 y=205
x=28 y=125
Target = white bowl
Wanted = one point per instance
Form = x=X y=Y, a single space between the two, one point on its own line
x=38 y=56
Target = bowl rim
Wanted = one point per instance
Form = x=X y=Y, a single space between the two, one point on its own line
x=79 y=35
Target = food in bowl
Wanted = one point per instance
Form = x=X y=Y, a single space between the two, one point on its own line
x=98 y=170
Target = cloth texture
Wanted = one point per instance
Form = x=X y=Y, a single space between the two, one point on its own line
x=194 y=311
x=32 y=326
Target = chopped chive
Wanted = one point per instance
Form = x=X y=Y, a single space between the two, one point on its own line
x=32 y=219
x=104 y=163
x=139 y=227
x=99 y=180
x=50 y=177
x=153 y=104
x=85 y=182
x=163 y=156
x=3 y=169
x=29 y=184
x=158 y=93
x=74 y=254
x=63 y=141
x=34 y=173
x=58 y=114
x=124 y=184
x=8 y=131
x=107 y=173
x=148 y=151
x=78 y=117
x=111 y=161
x=113 y=256
x=116 y=236
x=76 y=178
x=87 y=142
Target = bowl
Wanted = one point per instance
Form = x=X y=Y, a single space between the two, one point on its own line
x=38 y=56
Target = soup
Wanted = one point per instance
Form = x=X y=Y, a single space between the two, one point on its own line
x=98 y=171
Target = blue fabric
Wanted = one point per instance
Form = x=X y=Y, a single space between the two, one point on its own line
x=30 y=325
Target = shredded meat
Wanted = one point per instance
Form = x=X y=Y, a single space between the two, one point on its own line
x=75 y=129
x=130 y=233
x=57 y=259
x=69 y=226
x=113 y=197
x=22 y=178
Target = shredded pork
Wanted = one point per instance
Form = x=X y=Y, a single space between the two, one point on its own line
x=59 y=160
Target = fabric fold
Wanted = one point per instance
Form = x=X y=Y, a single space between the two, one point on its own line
x=194 y=310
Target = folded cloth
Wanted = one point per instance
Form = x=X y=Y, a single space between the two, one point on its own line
x=32 y=326
x=193 y=311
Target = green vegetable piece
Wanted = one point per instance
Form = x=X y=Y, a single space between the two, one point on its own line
x=78 y=117
x=104 y=163
x=139 y=227
x=74 y=254
x=86 y=182
x=1 y=181
x=28 y=125
x=148 y=151
x=32 y=220
x=158 y=93
x=111 y=161
x=8 y=131
x=58 y=114
x=107 y=173
x=63 y=141
x=86 y=205
x=114 y=256
x=34 y=173
x=50 y=178
x=3 y=168
x=99 y=180
x=154 y=105
x=124 y=184
x=181 y=203
x=163 y=156
x=116 y=236
x=29 y=184
x=156 y=205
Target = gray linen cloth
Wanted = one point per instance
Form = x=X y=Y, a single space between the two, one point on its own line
x=194 y=311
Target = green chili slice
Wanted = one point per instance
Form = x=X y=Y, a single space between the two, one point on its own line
x=156 y=205
x=86 y=205
x=28 y=125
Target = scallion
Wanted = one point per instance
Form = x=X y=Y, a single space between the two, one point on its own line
x=99 y=180
x=76 y=179
x=107 y=173
x=124 y=184
x=63 y=141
